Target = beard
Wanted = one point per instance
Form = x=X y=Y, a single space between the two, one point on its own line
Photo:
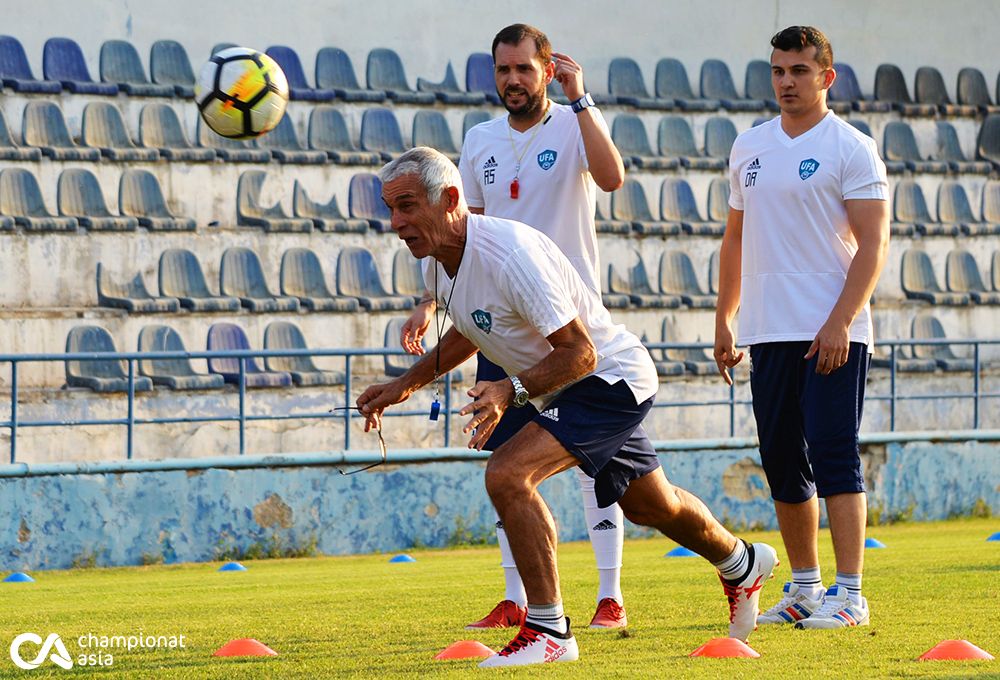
x=533 y=103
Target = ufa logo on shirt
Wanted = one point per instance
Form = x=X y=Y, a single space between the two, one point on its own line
x=807 y=168
x=547 y=159
x=483 y=320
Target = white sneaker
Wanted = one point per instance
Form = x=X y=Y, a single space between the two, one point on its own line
x=534 y=644
x=794 y=606
x=837 y=611
x=744 y=594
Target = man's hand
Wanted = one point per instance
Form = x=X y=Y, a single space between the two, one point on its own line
x=570 y=76
x=491 y=399
x=725 y=352
x=416 y=326
x=832 y=344
x=374 y=400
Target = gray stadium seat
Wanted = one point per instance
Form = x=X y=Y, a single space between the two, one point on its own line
x=241 y=276
x=991 y=202
x=298 y=87
x=180 y=276
x=479 y=76
x=929 y=88
x=139 y=195
x=910 y=209
x=10 y=150
x=677 y=204
x=104 y=130
x=395 y=365
x=920 y=283
x=230 y=150
x=695 y=361
x=555 y=93
x=926 y=326
x=962 y=276
x=169 y=65
x=284 y=145
x=430 y=128
x=62 y=60
x=717 y=83
x=100 y=375
x=714 y=263
x=900 y=147
x=890 y=86
x=358 y=277
x=328 y=133
x=629 y=134
x=177 y=374
x=629 y=204
x=286 y=335
x=334 y=71
x=720 y=133
x=80 y=196
x=846 y=89
x=675 y=140
x=385 y=72
x=631 y=279
x=603 y=225
x=447 y=90
x=972 y=91
x=757 y=84
x=120 y=64
x=627 y=86
x=364 y=201
x=672 y=83
x=219 y=46
x=953 y=208
x=677 y=277
x=132 y=296
x=861 y=126
x=325 y=216
x=609 y=299
x=250 y=213
x=228 y=336
x=472 y=119
x=950 y=151
x=44 y=126
x=160 y=129
x=995 y=270
x=718 y=201
x=302 y=277
x=15 y=72
x=988 y=144
x=665 y=368
x=380 y=133
x=21 y=199
x=407 y=275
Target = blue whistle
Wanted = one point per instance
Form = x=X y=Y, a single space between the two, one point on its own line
x=435 y=409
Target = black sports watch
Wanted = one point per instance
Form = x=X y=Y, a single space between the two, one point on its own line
x=520 y=394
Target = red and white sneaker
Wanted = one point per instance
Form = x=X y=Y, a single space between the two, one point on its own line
x=609 y=614
x=505 y=615
x=535 y=644
x=743 y=595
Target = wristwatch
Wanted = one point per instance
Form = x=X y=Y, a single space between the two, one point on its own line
x=582 y=103
x=520 y=394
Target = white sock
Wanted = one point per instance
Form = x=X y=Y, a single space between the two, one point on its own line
x=606 y=527
x=852 y=583
x=809 y=581
x=737 y=564
x=547 y=616
x=512 y=580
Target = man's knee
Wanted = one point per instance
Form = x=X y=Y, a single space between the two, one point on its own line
x=504 y=483
x=650 y=500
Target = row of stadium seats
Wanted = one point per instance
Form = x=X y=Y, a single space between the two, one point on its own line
x=962 y=277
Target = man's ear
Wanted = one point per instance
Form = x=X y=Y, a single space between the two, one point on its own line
x=452 y=197
x=829 y=76
x=549 y=71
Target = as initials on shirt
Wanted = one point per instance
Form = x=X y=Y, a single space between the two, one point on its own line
x=751 y=179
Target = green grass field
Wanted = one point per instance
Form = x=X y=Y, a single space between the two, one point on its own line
x=339 y=616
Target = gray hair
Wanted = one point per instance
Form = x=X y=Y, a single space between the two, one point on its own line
x=436 y=171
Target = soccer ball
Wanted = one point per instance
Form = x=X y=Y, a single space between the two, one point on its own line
x=241 y=93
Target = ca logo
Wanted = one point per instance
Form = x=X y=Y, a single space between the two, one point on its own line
x=59 y=657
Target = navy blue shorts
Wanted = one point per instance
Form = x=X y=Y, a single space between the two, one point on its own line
x=513 y=418
x=808 y=423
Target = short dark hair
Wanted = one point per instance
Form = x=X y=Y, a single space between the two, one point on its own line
x=515 y=33
x=797 y=38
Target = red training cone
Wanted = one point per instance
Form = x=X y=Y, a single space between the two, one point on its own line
x=244 y=647
x=726 y=648
x=465 y=649
x=955 y=650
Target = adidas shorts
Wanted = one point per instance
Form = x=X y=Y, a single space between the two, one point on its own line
x=513 y=419
x=601 y=425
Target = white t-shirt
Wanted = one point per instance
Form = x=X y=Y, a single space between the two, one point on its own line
x=556 y=193
x=514 y=288
x=797 y=242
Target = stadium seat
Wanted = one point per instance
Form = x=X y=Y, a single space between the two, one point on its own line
x=609 y=299
x=120 y=64
x=177 y=374
x=169 y=65
x=284 y=145
x=675 y=140
x=631 y=279
x=160 y=129
x=555 y=93
x=757 y=84
x=286 y=335
x=364 y=202
x=990 y=209
x=890 y=86
x=899 y=149
x=180 y=276
x=479 y=76
x=99 y=375
x=720 y=133
x=677 y=204
x=672 y=83
x=218 y=47
x=677 y=277
x=665 y=368
x=231 y=150
x=950 y=151
x=962 y=276
x=241 y=276
x=629 y=134
x=929 y=88
x=250 y=213
x=385 y=72
x=358 y=277
x=44 y=126
x=972 y=91
x=603 y=225
x=328 y=133
x=104 y=130
x=695 y=361
x=62 y=60
x=718 y=201
x=472 y=119
x=380 y=133
x=298 y=87
x=302 y=277
x=713 y=272
x=953 y=208
x=926 y=326
x=15 y=72
x=79 y=195
x=717 y=83
x=10 y=150
x=325 y=216
x=920 y=283
x=629 y=204
x=139 y=195
x=847 y=90
x=430 y=128
x=230 y=337
x=395 y=365
x=860 y=126
x=407 y=275
x=627 y=86
x=911 y=214
x=447 y=90
x=21 y=199
x=132 y=296
x=988 y=144
x=334 y=71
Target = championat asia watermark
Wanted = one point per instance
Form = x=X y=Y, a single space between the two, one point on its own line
x=29 y=650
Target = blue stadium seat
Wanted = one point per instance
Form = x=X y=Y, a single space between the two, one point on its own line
x=169 y=65
x=953 y=208
x=298 y=87
x=720 y=133
x=910 y=209
x=990 y=208
x=10 y=150
x=177 y=374
x=430 y=128
x=407 y=275
x=629 y=134
x=43 y=126
x=479 y=76
x=219 y=46
x=229 y=337
x=629 y=204
x=80 y=196
x=675 y=140
x=380 y=133
x=241 y=276
x=672 y=83
x=626 y=85
x=230 y=150
x=631 y=279
x=132 y=296
x=604 y=225
x=695 y=361
x=950 y=151
x=718 y=200
x=358 y=277
x=717 y=83
x=899 y=149
x=284 y=145
x=757 y=84
x=160 y=129
x=929 y=88
x=325 y=216
x=120 y=64
x=180 y=276
x=104 y=130
x=555 y=93
x=972 y=91
x=890 y=86
x=714 y=263
x=302 y=277
x=364 y=201
x=472 y=119
x=140 y=196
x=988 y=144
x=962 y=276
x=250 y=213
x=677 y=204
x=920 y=283
x=846 y=89
x=665 y=368
x=860 y=126
x=286 y=335
x=395 y=365
x=334 y=71
x=100 y=375
x=677 y=277
x=926 y=326
x=447 y=90
x=62 y=60
x=328 y=133
x=15 y=72
x=385 y=72
x=21 y=199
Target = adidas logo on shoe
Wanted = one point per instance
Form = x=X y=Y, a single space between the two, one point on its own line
x=553 y=650
x=551 y=414
x=755 y=165
x=499 y=524
x=491 y=163
x=605 y=525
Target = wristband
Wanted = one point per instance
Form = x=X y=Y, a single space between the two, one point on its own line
x=586 y=101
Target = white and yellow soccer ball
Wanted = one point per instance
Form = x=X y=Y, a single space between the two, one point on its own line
x=241 y=93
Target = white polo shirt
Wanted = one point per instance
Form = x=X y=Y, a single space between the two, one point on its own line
x=514 y=288
x=797 y=242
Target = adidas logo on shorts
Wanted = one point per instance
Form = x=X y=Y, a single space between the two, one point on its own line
x=491 y=163
x=605 y=525
x=551 y=414
x=755 y=165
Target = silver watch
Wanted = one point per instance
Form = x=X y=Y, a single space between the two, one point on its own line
x=520 y=394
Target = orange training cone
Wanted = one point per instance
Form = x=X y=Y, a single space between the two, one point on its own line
x=955 y=650
x=244 y=647
x=726 y=648
x=464 y=649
